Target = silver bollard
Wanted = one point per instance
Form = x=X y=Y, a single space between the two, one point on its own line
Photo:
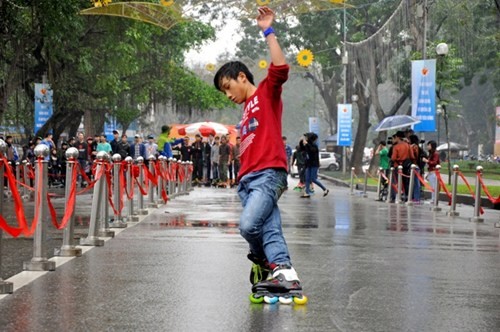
x=117 y=198
x=379 y=183
x=104 y=230
x=171 y=182
x=178 y=183
x=140 y=200
x=411 y=186
x=352 y=181
x=184 y=181
x=365 y=185
x=162 y=183
x=68 y=248
x=436 y=188
x=477 y=203
x=5 y=286
x=92 y=239
x=190 y=177
x=453 y=207
x=400 y=185
x=39 y=262
x=151 y=193
x=26 y=193
x=389 y=186
x=18 y=176
x=8 y=193
x=130 y=185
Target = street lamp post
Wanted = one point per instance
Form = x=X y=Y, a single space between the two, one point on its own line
x=442 y=51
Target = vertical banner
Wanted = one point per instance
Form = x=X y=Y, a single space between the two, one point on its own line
x=314 y=125
x=423 y=94
x=43 y=105
x=109 y=126
x=344 y=124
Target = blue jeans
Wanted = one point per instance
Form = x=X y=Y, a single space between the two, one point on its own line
x=260 y=221
x=312 y=176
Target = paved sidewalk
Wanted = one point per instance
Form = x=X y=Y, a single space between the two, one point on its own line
x=365 y=265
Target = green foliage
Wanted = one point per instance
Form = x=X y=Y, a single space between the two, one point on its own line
x=94 y=62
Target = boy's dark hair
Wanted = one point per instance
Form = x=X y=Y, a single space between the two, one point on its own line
x=383 y=143
x=165 y=128
x=231 y=70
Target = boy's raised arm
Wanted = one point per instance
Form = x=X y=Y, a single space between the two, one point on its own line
x=264 y=21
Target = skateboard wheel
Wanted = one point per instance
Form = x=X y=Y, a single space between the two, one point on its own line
x=285 y=300
x=254 y=299
x=270 y=300
x=300 y=300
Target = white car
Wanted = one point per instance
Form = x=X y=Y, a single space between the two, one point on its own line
x=327 y=160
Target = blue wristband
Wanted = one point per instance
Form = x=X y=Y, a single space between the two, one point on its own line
x=268 y=31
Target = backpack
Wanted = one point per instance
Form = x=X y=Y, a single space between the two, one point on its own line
x=421 y=155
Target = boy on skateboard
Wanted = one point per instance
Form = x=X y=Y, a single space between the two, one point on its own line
x=263 y=164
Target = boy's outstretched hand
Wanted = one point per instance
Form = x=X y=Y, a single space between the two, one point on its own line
x=265 y=18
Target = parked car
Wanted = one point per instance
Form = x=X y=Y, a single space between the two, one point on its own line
x=327 y=160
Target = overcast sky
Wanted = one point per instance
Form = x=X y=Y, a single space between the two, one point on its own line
x=225 y=42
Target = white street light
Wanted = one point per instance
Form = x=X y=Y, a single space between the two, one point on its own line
x=442 y=49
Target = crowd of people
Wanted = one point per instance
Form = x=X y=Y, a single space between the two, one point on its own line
x=404 y=149
x=215 y=160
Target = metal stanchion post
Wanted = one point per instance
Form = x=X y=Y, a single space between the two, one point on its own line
x=379 y=183
x=389 y=186
x=5 y=286
x=161 y=182
x=400 y=185
x=151 y=193
x=352 y=181
x=68 y=248
x=477 y=203
x=184 y=182
x=453 y=207
x=39 y=262
x=411 y=186
x=436 y=188
x=92 y=239
x=178 y=182
x=130 y=185
x=8 y=193
x=140 y=209
x=117 y=193
x=26 y=194
x=365 y=185
x=18 y=176
x=104 y=230
x=190 y=177
x=171 y=182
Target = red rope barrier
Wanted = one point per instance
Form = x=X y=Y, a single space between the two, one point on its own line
x=70 y=204
x=422 y=181
x=443 y=185
x=485 y=189
x=18 y=207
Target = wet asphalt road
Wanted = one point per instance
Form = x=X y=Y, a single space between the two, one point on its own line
x=365 y=266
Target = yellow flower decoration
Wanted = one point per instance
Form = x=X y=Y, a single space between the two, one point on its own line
x=100 y=3
x=262 y=64
x=337 y=1
x=263 y=2
x=167 y=3
x=210 y=67
x=305 y=58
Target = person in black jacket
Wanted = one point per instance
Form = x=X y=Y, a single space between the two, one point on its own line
x=312 y=164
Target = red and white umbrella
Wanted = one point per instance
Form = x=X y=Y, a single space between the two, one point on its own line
x=204 y=129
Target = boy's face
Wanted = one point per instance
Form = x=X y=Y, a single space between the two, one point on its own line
x=235 y=89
